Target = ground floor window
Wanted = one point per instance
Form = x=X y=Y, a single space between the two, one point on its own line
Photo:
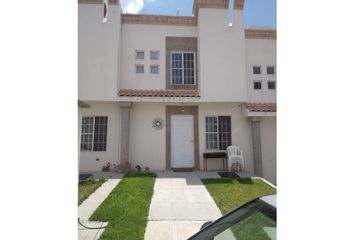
x=218 y=132
x=94 y=133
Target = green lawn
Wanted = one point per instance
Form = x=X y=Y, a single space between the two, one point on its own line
x=231 y=193
x=87 y=188
x=127 y=207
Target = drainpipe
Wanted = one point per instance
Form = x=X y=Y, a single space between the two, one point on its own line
x=124 y=143
x=256 y=145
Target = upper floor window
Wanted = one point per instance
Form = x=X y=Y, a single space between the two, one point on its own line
x=218 y=132
x=257 y=70
x=270 y=70
x=139 y=54
x=257 y=85
x=154 y=55
x=182 y=68
x=154 y=69
x=271 y=84
x=139 y=69
x=94 y=133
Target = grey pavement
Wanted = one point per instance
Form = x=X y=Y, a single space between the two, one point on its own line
x=180 y=205
x=91 y=204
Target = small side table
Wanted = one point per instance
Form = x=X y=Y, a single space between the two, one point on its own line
x=219 y=155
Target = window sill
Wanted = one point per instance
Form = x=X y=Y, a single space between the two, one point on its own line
x=182 y=86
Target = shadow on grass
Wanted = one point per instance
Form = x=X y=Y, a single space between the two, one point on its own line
x=245 y=181
x=139 y=174
x=228 y=175
x=216 y=181
x=227 y=180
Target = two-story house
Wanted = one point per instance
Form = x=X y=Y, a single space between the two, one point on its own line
x=159 y=91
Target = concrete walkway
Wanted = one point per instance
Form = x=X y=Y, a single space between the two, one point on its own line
x=90 y=205
x=179 y=206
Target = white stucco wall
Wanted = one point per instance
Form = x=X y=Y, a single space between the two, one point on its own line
x=147 y=145
x=88 y=158
x=269 y=151
x=98 y=52
x=260 y=52
x=147 y=38
x=241 y=132
x=221 y=56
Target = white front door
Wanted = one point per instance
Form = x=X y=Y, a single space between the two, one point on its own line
x=182 y=141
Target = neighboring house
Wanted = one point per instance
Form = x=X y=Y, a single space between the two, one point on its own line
x=159 y=91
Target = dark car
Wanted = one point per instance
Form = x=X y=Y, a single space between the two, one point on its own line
x=255 y=220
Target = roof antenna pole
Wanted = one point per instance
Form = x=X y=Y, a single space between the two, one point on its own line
x=105 y=11
x=230 y=16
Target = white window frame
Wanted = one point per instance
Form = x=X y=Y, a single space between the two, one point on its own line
x=183 y=84
x=158 y=55
x=136 y=67
x=136 y=55
x=93 y=132
x=158 y=69
x=217 y=132
x=260 y=68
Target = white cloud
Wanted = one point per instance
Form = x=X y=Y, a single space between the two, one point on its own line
x=133 y=6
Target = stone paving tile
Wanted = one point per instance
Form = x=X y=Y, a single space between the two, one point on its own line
x=160 y=230
x=160 y=211
x=195 y=211
x=179 y=206
x=190 y=196
x=185 y=229
x=171 y=230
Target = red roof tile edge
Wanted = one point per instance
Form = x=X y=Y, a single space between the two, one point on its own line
x=261 y=107
x=158 y=93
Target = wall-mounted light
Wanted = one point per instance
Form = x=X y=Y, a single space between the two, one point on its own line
x=230 y=15
x=105 y=11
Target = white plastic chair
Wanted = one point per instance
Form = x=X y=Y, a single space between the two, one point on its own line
x=235 y=155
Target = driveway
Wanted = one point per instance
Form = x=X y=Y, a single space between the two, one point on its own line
x=179 y=206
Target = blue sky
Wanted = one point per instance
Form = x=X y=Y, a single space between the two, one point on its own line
x=256 y=12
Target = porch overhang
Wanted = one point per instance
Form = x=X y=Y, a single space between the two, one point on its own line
x=184 y=93
x=259 y=109
x=83 y=104
x=155 y=95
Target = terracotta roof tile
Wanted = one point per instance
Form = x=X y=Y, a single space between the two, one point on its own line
x=261 y=107
x=261 y=34
x=158 y=93
x=159 y=20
